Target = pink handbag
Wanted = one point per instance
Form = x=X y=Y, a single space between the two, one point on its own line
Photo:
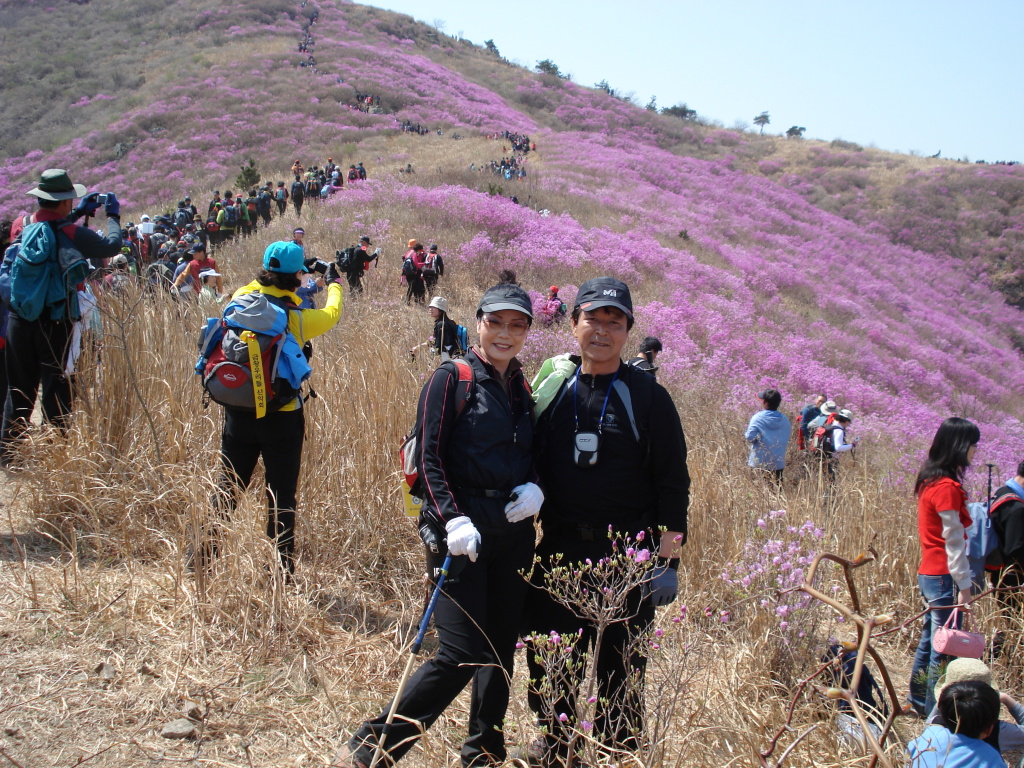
x=958 y=642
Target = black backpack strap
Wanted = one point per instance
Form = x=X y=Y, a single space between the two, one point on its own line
x=998 y=501
x=638 y=386
x=622 y=390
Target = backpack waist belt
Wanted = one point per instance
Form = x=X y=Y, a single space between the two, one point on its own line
x=580 y=532
x=484 y=493
x=589 y=532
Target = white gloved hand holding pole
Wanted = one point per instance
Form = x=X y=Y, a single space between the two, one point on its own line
x=463 y=537
x=529 y=498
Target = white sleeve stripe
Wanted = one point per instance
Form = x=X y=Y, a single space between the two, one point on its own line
x=955 y=536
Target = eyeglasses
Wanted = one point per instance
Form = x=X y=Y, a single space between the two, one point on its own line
x=514 y=327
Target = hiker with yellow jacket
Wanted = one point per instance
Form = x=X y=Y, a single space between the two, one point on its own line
x=276 y=436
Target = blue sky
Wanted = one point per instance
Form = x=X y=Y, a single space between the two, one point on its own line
x=903 y=75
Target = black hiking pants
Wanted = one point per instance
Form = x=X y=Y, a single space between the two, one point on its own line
x=619 y=669
x=487 y=595
x=297 y=202
x=355 y=281
x=278 y=438
x=37 y=351
x=416 y=291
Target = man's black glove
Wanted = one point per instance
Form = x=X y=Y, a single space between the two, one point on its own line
x=86 y=206
x=112 y=207
x=333 y=275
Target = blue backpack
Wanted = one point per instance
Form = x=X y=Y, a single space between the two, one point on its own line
x=982 y=540
x=248 y=359
x=463 y=336
x=41 y=272
x=230 y=216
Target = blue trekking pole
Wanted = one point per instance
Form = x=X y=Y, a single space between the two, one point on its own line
x=414 y=652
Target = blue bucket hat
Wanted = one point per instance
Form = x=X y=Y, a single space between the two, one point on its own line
x=284 y=257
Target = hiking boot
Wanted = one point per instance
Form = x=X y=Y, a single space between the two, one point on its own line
x=536 y=754
x=346 y=759
x=533 y=753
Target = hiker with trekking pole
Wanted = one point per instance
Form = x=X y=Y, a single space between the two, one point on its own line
x=469 y=458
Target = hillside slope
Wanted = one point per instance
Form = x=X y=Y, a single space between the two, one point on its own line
x=145 y=90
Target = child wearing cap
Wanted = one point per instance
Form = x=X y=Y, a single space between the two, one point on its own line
x=1007 y=737
x=970 y=711
x=199 y=262
x=209 y=287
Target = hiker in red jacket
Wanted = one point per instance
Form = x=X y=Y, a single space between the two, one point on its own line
x=412 y=273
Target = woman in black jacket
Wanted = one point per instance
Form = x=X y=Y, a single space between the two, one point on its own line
x=475 y=463
x=444 y=341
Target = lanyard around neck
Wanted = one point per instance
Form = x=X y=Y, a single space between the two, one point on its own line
x=576 y=400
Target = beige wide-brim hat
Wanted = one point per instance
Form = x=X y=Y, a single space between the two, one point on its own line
x=55 y=184
x=439 y=302
x=962 y=670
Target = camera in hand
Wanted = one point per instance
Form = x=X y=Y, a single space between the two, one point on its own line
x=101 y=199
x=316 y=265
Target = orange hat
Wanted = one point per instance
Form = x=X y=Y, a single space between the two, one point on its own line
x=413 y=243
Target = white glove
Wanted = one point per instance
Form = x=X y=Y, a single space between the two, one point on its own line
x=463 y=537
x=527 y=504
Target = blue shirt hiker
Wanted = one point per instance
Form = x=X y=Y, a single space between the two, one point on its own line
x=938 y=748
x=768 y=435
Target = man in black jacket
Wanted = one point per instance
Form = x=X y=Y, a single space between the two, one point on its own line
x=1006 y=564
x=361 y=263
x=263 y=204
x=1007 y=513
x=606 y=465
x=298 y=194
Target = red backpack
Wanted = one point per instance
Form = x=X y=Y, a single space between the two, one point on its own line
x=822 y=439
x=409 y=452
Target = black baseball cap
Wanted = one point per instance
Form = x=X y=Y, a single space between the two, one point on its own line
x=365 y=239
x=604 y=292
x=506 y=296
x=200 y=246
